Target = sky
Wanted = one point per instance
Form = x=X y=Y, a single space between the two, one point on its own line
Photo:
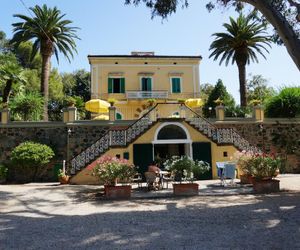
x=109 y=27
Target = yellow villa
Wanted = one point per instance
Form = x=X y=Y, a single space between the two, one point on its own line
x=158 y=130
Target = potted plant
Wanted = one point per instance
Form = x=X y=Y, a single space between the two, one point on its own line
x=151 y=102
x=111 y=101
x=181 y=100
x=219 y=102
x=263 y=168
x=183 y=169
x=110 y=171
x=244 y=168
x=62 y=177
x=69 y=101
x=3 y=173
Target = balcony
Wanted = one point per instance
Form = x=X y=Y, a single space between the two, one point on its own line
x=146 y=94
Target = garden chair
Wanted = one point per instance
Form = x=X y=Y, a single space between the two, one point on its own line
x=229 y=173
x=138 y=179
x=152 y=181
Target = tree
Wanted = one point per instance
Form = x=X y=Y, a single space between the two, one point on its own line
x=205 y=90
x=219 y=92
x=23 y=53
x=257 y=89
x=285 y=104
x=27 y=107
x=10 y=73
x=51 y=34
x=243 y=39
x=77 y=84
x=283 y=15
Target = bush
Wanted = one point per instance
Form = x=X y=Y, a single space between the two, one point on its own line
x=28 y=107
x=285 y=104
x=3 y=172
x=110 y=170
x=30 y=158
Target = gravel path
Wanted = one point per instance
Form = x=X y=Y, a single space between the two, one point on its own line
x=47 y=216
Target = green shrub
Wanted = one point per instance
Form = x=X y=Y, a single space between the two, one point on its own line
x=3 y=172
x=285 y=104
x=27 y=107
x=30 y=158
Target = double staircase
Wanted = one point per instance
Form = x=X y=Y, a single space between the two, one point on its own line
x=123 y=137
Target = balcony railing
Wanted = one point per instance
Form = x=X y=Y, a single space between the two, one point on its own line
x=146 y=94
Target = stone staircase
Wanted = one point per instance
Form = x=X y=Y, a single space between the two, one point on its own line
x=113 y=138
x=123 y=137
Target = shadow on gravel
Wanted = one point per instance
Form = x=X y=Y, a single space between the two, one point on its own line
x=237 y=222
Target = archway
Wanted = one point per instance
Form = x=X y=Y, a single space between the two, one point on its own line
x=171 y=138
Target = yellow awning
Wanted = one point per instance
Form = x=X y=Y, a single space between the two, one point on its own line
x=194 y=102
x=97 y=106
x=101 y=117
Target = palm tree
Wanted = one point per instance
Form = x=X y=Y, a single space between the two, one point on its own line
x=50 y=34
x=10 y=73
x=244 y=38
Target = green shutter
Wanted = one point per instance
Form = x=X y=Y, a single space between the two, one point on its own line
x=176 y=85
x=149 y=85
x=110 y=85
x=173 y=85
x=122 y=87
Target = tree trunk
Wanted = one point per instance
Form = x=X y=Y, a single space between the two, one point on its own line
x=6 y=91
x=45 y=83
x=285 y=31
x=242 y=79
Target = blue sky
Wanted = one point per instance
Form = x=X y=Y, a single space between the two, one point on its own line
x=110 y=27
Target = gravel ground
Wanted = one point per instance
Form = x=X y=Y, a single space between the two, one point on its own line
x=48 y=216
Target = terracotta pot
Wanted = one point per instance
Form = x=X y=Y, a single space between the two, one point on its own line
x=64 y=179
x=246 y=179
x=185 y=189
x=266 y=186
x=117 y=192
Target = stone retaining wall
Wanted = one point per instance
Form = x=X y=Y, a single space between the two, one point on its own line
x=263 y=136
x=54 y=134
x=83 y=134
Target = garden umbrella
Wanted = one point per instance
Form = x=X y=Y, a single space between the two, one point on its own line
x=194 y=102
x=101 y=117
x=97 y=106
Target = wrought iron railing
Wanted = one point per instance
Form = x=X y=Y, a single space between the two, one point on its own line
x=219 y=135
x=120 y=137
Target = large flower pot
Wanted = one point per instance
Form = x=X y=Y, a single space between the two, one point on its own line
x=117 y=192
x=246 y=179
x=266 y=186
x=64 y=179
x=185 y=189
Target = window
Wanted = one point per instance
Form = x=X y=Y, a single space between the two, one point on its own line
x=176 y=84
x=116 y=85
x=146 y=83
x=171 y=132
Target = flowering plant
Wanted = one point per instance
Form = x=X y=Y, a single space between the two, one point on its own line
x=185 y=167
x=110 y=169
x=259 y=165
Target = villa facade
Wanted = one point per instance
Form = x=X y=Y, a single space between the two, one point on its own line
x=158 y=131
x=134 y=79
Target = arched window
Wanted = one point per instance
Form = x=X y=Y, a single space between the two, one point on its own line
x=171 y=132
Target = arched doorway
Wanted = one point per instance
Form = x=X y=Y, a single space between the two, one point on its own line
x=171 y=138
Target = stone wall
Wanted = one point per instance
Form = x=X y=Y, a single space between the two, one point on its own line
x=53 y=134
x=263 y=136
x=84 y=133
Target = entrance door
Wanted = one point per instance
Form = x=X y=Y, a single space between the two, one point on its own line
x=142 y=156
x=202 y=152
